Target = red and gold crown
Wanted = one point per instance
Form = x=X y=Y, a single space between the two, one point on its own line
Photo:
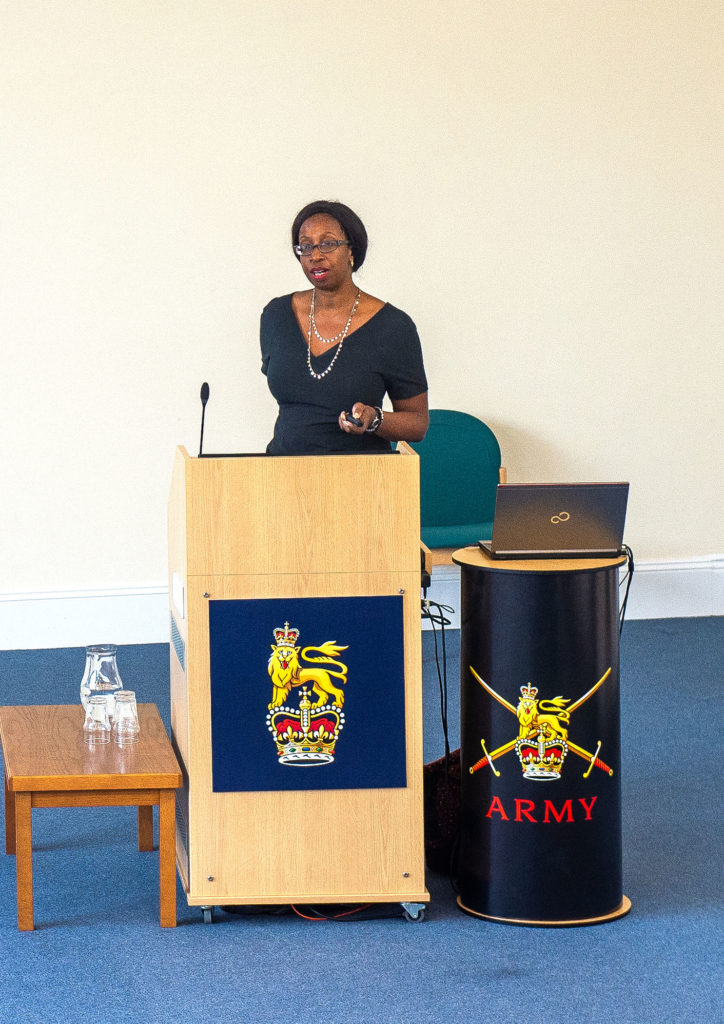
x=305 y=736
x=541 y=758
x=286 y=637
x=529 y=691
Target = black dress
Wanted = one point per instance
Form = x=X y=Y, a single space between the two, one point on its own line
x=383 y=356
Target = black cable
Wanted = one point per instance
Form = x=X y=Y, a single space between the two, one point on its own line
x=438 y=618
x=627 y=580
x=434 y=613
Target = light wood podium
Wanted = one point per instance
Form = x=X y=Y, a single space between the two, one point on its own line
x=260 y=527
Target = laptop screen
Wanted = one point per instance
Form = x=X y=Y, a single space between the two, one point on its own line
x=564 y=519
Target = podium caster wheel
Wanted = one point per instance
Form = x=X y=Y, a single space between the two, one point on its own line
x=208 y=915
x=414 y=912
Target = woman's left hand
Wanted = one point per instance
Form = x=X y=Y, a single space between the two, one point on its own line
x=360 y=411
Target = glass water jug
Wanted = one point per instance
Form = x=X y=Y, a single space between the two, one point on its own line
x=101 y=675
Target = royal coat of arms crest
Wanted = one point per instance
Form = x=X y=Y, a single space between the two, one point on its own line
x=305 y=735
x=542 y=743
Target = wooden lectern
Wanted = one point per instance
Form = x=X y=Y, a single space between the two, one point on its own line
x=245 y=532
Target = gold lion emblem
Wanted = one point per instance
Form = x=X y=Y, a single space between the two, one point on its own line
x=531 y=722
x=286 y=671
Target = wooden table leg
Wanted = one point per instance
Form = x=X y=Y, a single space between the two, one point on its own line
x=167 y=856
x=145 y=828
x=9 y=818
x=24 y=860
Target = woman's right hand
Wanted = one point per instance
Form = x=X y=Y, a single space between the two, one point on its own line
x=364 y=413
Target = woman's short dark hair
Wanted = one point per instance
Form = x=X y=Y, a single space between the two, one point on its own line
x=348 y=220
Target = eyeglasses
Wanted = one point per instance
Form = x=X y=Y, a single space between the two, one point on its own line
x=328 y=245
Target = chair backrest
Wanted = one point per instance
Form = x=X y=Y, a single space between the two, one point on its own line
x=459 y=473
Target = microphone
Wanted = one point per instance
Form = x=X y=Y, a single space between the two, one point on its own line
x=204 y=400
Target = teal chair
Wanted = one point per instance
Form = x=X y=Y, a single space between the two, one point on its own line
x=459 y=473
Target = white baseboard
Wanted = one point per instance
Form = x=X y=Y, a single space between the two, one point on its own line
x=139 y=615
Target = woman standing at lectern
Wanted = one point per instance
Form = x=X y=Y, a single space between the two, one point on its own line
x=331 y=353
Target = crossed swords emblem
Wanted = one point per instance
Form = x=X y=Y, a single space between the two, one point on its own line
x=593 y=759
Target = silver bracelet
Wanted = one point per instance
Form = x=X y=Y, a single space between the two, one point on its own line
x=377 y=421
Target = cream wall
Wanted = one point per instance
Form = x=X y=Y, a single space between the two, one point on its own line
x=541 y=182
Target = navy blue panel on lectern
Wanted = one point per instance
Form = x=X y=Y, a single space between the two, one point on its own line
x=307 y=694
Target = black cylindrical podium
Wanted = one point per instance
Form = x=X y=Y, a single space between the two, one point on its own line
x=540 y=826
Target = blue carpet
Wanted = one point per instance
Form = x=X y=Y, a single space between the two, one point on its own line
x=99 y=954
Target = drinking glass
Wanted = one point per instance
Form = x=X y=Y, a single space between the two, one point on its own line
x=97 y=724
x=125 y=717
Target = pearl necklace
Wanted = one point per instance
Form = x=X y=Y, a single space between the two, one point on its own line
x=339 y=334
x=327 y=341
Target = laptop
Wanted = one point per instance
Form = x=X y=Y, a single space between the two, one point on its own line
x=558 y=521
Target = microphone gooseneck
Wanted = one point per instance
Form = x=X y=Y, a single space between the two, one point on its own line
x=204 y=400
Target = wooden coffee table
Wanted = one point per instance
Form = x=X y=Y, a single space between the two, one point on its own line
x=49 y=764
